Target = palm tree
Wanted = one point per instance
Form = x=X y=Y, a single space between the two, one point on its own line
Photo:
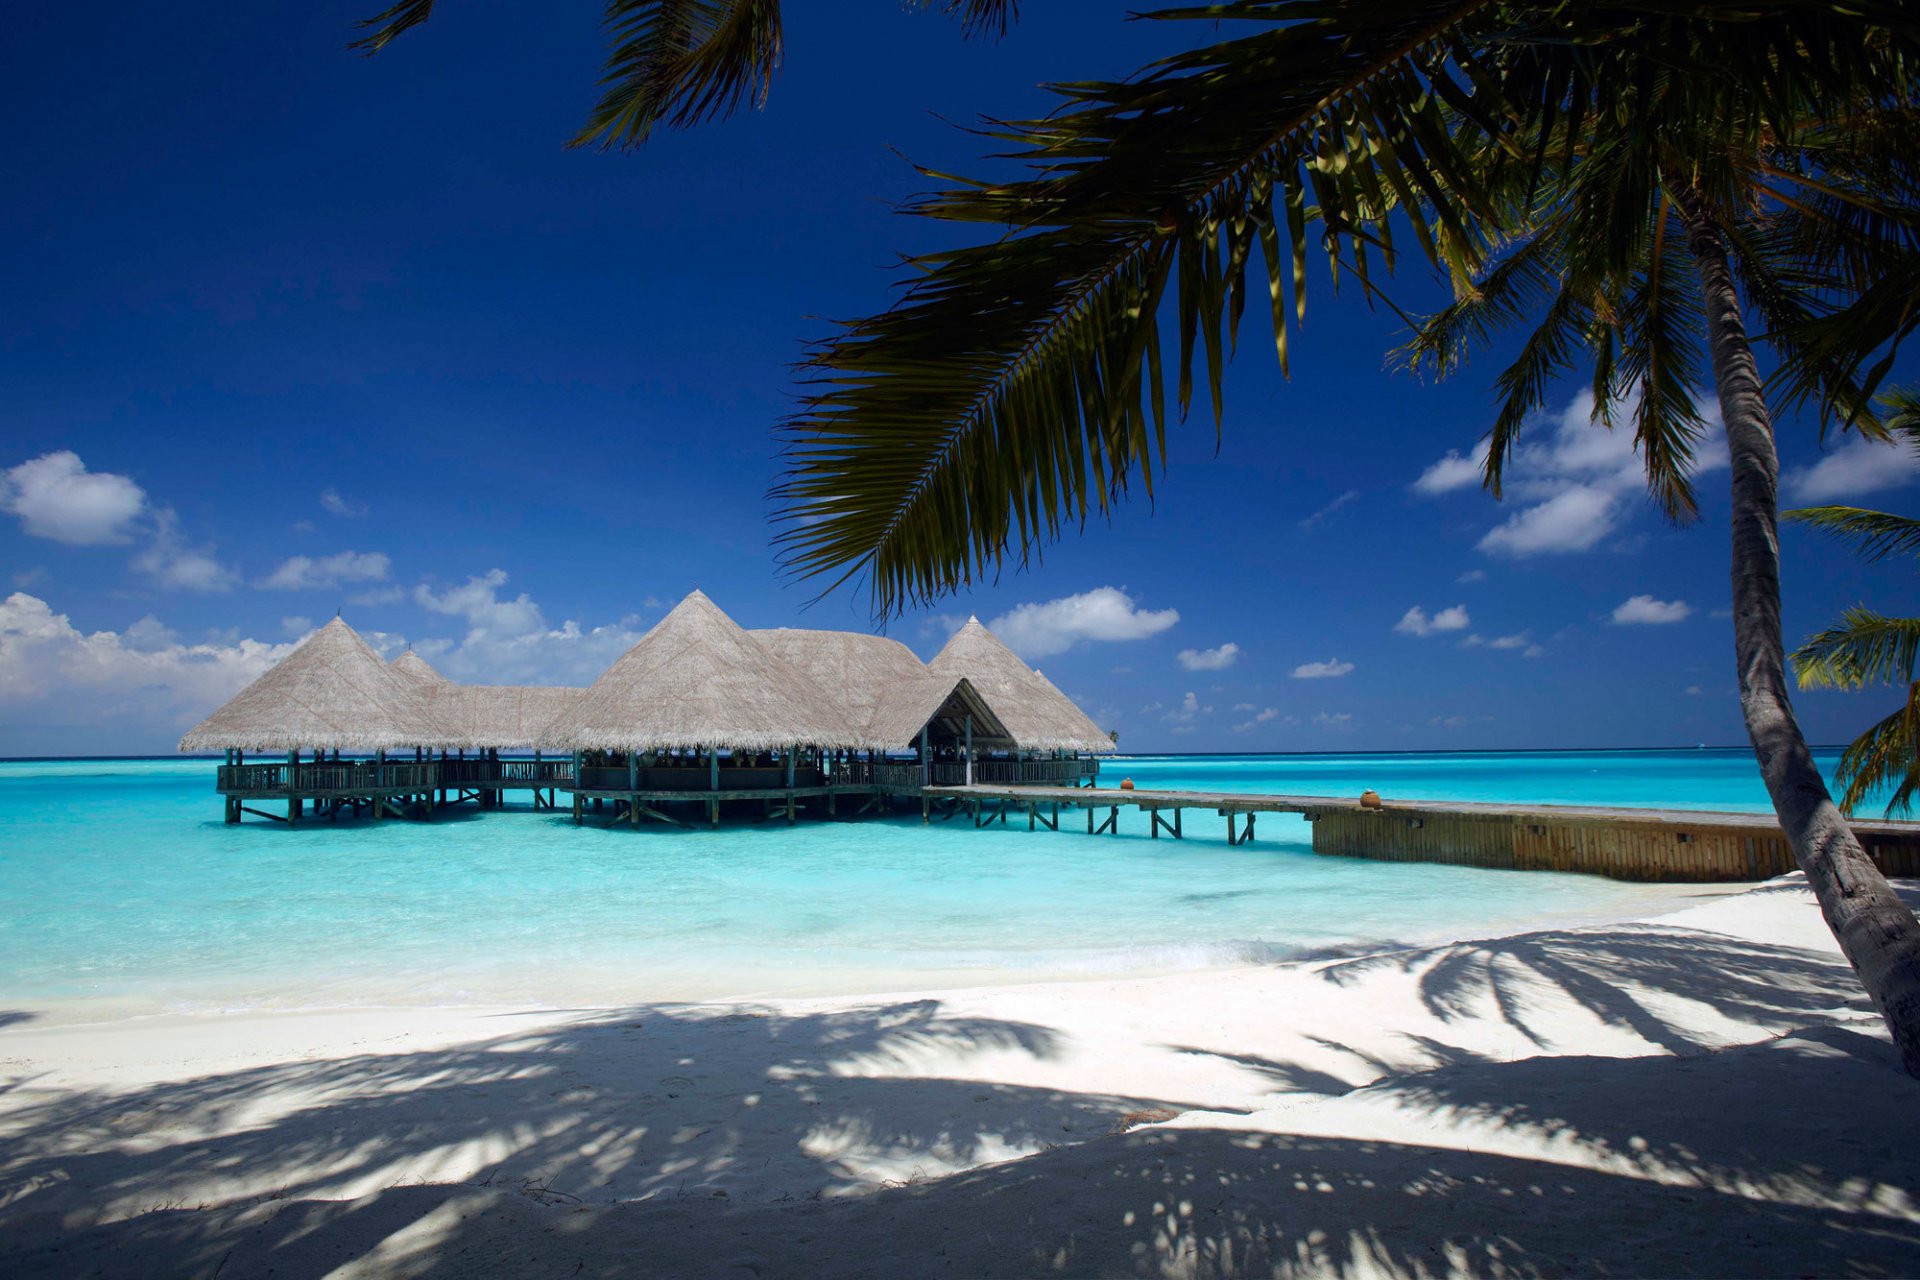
x=1576 y=159
x=1867 y=647
x=679 y=62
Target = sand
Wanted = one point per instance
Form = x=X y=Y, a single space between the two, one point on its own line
x=1703 y=1093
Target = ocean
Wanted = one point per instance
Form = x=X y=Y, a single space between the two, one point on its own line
x=123 y=893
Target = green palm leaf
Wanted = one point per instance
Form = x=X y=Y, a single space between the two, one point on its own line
x=1866 y=648
x=680 y=62
x=1016 y=388
x=1886 y=755
x=1879 y=534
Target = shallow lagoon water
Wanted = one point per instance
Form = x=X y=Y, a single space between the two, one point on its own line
x=121 y=891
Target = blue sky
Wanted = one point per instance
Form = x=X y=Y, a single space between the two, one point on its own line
x=287 y=331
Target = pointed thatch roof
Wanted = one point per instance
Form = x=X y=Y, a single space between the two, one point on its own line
x=478 y=716
x=332 y=692
x=418 y=669
x=883 y=689
x=1039 y=716
x=698 y=680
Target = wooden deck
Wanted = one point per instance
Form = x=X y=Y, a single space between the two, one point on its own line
x=1624 y=843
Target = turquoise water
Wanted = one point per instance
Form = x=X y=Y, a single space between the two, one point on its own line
x=121 y=891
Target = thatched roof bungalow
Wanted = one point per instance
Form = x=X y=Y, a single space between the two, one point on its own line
x=697 y=681
x=1038 y=716
x=332 y=693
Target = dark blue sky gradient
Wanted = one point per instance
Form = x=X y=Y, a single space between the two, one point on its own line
x=243 y=267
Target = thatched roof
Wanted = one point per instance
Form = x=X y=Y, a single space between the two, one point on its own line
x=883 y=689
x=476 y=716
x=1039 y=716
x=698 y=680
x=333 y=692
x=417 y=668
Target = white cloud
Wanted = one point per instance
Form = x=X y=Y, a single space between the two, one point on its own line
x=339 y=506
x=935 y=626
x=1455 y=471
x=1857 y=466
x=1333 y=506
x=1215 y=659
x=478 y=601
x=1472 y=575
x=508 y=641
x=56 y=497
x=306 y=573
x=1330 y=669
x=1188 y=710
x=296 y=625
x=61 y=686
x=1572 y=520
x=1577 y=480
x=1333 y=719
x=390 y=594
x=1104 y=613
x=1649 y=611
x=169 y=560
x=1520 y=641
x=1415 y=622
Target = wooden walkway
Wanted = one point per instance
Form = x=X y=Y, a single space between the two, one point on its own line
x=1625 y=843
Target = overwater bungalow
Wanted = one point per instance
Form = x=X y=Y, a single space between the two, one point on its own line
x=698 y=712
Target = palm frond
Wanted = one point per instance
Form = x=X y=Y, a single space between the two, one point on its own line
x=1017 y=387
x=681 y=63
x=389 y=24
x=1878 y=533
x=1886 y=755
x=1866 y=648
x=980 y=17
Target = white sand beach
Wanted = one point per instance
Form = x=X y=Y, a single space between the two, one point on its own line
x=1705 y=1093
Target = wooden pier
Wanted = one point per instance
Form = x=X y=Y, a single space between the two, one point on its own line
x=1623 y=843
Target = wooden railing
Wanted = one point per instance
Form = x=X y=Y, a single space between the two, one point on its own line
x=353 y=777
x=515 y=773
x=614 y=778
x=363 y=777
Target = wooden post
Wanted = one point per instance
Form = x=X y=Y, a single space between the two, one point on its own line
x=969 y=749
x=379 y=783
x=926 y=759
x=713 y=778
x=293 y=793
x=792 y=759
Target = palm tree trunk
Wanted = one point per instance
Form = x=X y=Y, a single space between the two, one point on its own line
x=1876 y=931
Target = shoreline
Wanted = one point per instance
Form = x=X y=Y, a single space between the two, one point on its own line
x=1370 y=1096
x=590 y=987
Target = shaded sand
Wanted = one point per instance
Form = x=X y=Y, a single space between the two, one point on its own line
x=1707 y=1093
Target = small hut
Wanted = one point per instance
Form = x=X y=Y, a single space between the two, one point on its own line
x=696 y=686
x=331 y=694
x=1039 y=718
x=894 y=700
